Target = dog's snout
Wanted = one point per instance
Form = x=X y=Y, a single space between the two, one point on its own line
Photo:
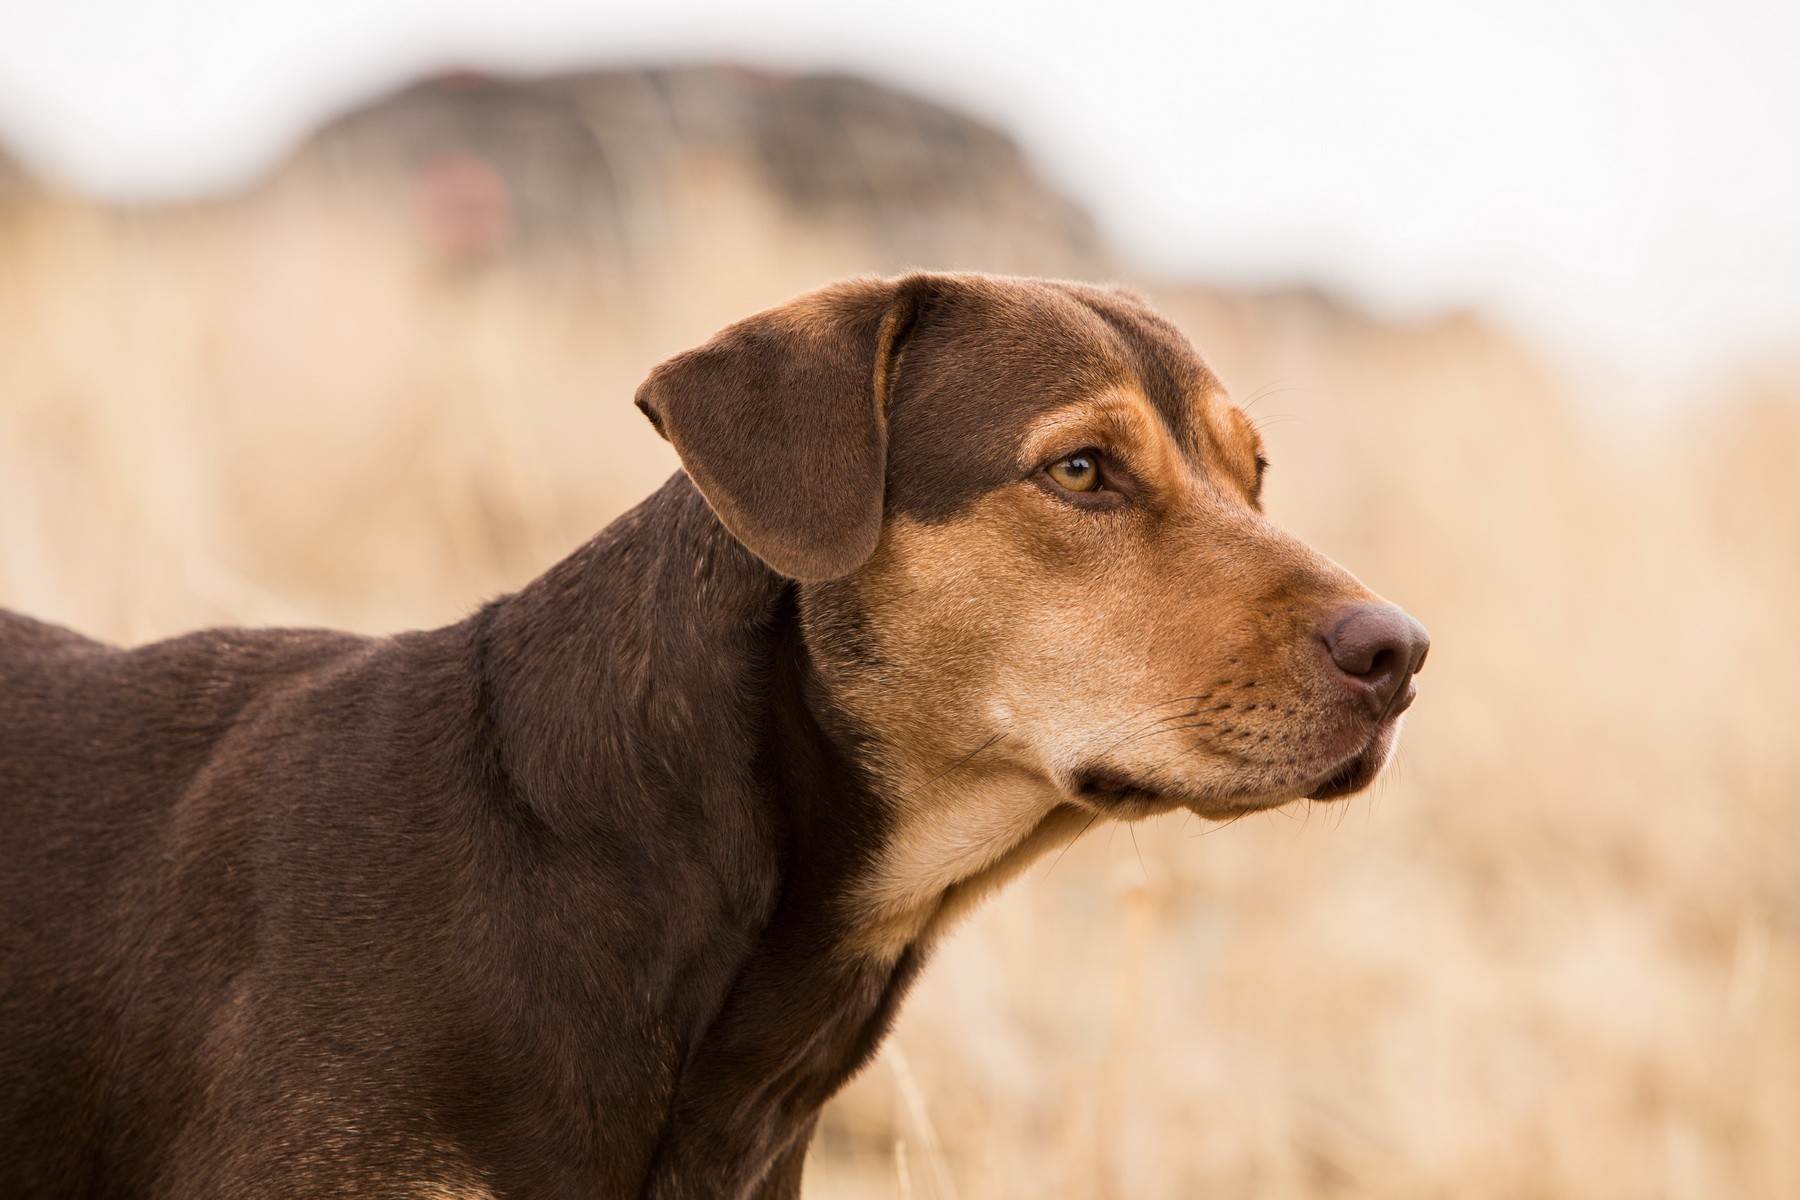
x=1377 y=649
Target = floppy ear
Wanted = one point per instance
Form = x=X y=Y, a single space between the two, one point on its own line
x=781 y=422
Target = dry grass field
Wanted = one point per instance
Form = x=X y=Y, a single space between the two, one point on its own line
x=1554 y=954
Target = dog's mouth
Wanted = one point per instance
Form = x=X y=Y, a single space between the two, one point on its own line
x=1121 y=795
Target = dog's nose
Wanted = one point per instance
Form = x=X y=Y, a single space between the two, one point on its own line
x=1377 y=649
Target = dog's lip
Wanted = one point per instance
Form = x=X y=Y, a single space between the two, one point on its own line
x=1352 y=777
x=1119 y=795
x=1107 y=788
x=1360 y=769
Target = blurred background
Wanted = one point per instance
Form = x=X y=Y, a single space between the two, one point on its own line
x=331 y=314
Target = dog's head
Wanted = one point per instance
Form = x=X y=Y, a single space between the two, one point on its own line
x=1026 y=522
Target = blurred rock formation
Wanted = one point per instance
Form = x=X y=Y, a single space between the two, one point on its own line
x=585 y=168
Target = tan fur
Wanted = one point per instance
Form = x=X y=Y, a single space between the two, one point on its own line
x=1027 y=640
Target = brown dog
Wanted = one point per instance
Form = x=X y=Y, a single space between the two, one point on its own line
x=604 y=891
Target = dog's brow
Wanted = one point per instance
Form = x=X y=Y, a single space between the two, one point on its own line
x=1216 y=427
x=1117 y=419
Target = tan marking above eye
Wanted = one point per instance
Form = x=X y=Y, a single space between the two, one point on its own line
x=1245 y=445
x=1079 y=472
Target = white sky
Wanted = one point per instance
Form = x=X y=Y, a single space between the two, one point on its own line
x=1617 y=176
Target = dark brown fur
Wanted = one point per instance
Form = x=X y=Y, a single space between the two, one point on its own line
x=554 y=902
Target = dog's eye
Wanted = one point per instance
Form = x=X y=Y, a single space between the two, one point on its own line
x=1079 y=472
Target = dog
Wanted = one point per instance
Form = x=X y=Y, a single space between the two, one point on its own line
x=605 y=890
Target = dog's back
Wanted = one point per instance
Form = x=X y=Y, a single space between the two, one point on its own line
x=114 y=844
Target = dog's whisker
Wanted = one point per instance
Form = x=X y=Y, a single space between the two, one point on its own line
x=1139 y=850
x=1128 y=738
x=958 y=765
x=1276 y=388
x=1071 y=842
x=1132 y=716
x=1153 y=730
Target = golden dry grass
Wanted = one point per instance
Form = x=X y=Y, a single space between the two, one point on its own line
x=1555 y=954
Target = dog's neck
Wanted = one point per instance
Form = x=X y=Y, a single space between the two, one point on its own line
x=616 y=693
x=661 y=665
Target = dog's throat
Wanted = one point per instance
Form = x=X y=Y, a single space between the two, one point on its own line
x=952 y=845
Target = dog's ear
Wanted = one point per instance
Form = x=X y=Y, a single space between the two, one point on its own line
x=781 y=422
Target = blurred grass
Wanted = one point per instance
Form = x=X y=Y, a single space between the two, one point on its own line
x=1555 y=954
